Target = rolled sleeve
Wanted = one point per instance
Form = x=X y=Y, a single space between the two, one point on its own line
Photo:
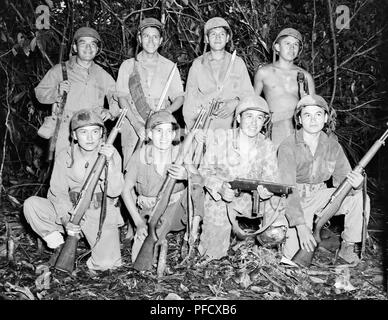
x=47 y=90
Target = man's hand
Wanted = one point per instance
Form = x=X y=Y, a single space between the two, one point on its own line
x=263 y=192
x=355 y=179
x=73 y=229
x=107 y=150
x=306 y=238
x=226 y=192
x=226 y=108
x=64 y=86
x=141 y=231
x=145 y=202
x=177 y=172
x=105 y=114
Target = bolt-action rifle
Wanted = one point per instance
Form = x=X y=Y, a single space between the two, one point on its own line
x=304 y=257
x=303 y=87
x=145 y=257
x=66 y=258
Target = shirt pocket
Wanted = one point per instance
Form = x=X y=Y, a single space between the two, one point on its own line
x=330 y=166
x=235 y=80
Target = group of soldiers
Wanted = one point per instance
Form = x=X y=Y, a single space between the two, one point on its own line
x=281 y=138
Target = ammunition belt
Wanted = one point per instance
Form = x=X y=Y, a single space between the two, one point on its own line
x=309 y=189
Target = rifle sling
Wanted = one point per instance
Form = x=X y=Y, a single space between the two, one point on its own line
x=103 y=205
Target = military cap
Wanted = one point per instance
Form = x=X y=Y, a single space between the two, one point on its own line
x=159 y=117
x=217 y=22
x=289 y=32
x=149 y=22
x=312 y=100
x=252 y=102
x=84 y=118
x=86 y=32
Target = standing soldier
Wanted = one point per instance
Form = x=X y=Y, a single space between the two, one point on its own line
x=143 y=80
x=215 y=75
x=278 y=80
x=49 y=218
x=307 y=159
x=244 y=152
x=88 y=84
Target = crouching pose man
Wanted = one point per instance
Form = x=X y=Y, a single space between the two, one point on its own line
x=146 y=171
x=49 y=217
x=243 y=152
x=308 y=159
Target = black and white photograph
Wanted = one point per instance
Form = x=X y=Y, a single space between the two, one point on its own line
x=194 y=157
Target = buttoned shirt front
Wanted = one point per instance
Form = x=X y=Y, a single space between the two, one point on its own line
x=152 y=86
x=66 y=178
x=298 y=167
x=202 y=87
x=89 y=87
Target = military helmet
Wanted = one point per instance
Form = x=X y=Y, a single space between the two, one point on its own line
x=84 y=118
x=149 y=22
x=86 y=32
x=159 y=117
x=288 y=32
x=217 y=22
x=252 y=102
x=312 y=100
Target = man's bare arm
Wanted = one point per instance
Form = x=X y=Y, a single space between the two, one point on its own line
x=259 y=81
x=310 y=82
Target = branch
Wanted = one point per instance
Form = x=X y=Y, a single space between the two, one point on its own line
x=334 y=53
x=6 y=129
x=360 y=106
x=313 y=37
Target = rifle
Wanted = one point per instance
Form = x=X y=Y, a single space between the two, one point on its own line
x=303 y=86
x=145 y=256
x=251 y=185
x=303 y=257
x=60 y=106
x=204 y=125
x=66 y=258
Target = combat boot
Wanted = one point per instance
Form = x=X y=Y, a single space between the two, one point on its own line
x=347 y=253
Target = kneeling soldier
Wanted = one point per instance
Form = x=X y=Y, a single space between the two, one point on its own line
x=308 y=159
x=244 y=152
x=146 y=172
x=49 y=217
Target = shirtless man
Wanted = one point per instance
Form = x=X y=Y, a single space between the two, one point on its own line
x=278 y=80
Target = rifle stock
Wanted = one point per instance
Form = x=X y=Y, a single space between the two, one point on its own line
x=144 y=258
x=66 y=258
x=303 y=257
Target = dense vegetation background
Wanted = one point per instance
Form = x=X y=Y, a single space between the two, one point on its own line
x=346 y=63
x=349 y=70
